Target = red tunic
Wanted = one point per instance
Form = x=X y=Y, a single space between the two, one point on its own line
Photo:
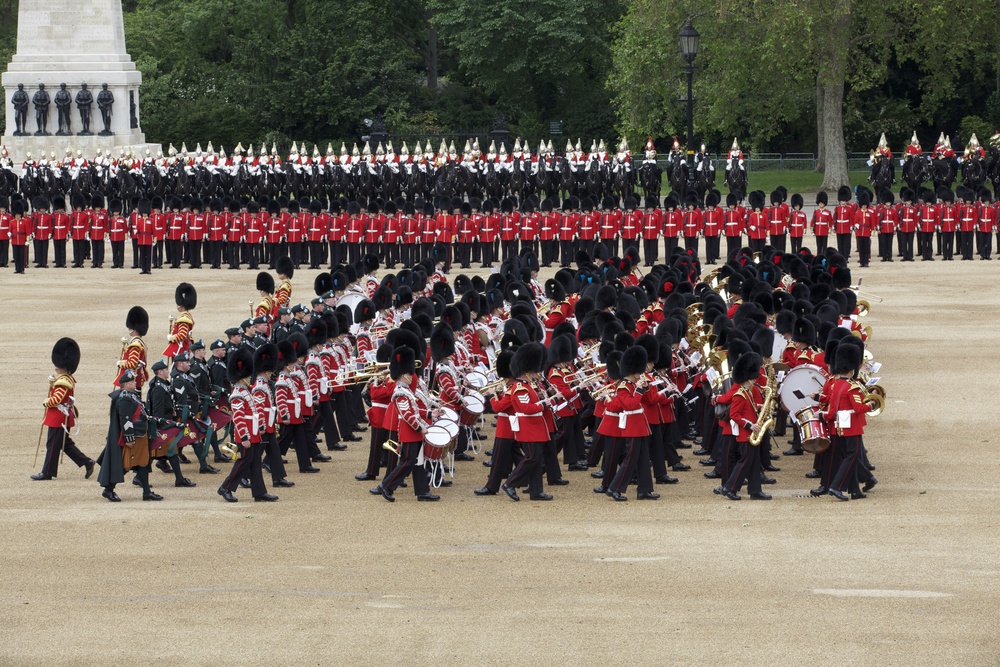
x=735 y=222
x=743 y=411
x=611 y=224
x=652 y=225
x=843 y=219
x=624 y=416
x=59 y=404
x=822 y=221
x=757 y=225
x=713 y=220
x=845 y=396
x=528 y=421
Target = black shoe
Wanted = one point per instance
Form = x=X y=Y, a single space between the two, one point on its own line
x=337 y=447
x=618 y=497
x=89 y=466
x=597 y=474
x=732 y=495
x=464 y=457
x=488 y=463
x=510 y=491
x=163 y=466
x=223 y=458
x=282 y=483
x=858 y=496
x=112 y=496
x=152 y=496
x=759 y=496
x=666 y=479
x=869 y=485
x=817 y=492
x=428 y=497
x=322 y=458
x=839 y=495
x=382 y=491
x=350 y=438
x=244 y=483
x=719 y=490
x=680 y=467
x=701 y=452
x=136 y=482
x=578 y=467
x=40 y=476
x=812 y=474
x=793 y=452
x=184 y=482
x=768 y=480
x=559 y=482
x=228 y=496
x=774 y=457
x=772 y=468
x=309 y=469
x=183 y=459
x=488 y=452
x=649 y=495
x=484 y=492
x=208 y=470
x=711 y=474
x=364 y=477
x=600 y=489
x=445 y=483
x=541 y=496
x=266 y=498
x=708 y=462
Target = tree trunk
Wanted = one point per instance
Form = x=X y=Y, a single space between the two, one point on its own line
x=820 y=134
x=290 y=14
x=431 y=56
x=831 y=77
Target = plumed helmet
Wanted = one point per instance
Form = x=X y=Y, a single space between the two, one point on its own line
x=137 y=319
x=66 y=354
x=239 y=366
x=186 y=296
x=265 y=359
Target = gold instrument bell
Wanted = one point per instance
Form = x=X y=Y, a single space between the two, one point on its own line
x=392 y=446
x=230 y=449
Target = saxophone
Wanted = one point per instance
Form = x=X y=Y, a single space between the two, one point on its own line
x=765 y=418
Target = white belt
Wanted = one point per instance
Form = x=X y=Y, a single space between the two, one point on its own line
x=623 y=416
x=380 y=405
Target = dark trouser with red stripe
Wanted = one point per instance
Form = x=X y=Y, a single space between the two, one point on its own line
x=612 y=456
x=407 y=465
x=611 y=245
x=636 y=463
x=649 y=247
x=273 y=454
x=864 y=250
x=657 y=452
x=550 y=461
x=733 y=244
x=570 y=439
x=375 y=451
x=56 y=441
x=529 y=469
x=821 y=244
x=596 y=446
x=508 y=249
x=844 y=244
x=712 y=249
x=294 y=435
x=885 y=246
x=503 y=463
x=194 y=254
x=669 y=243
x=691 y=243
x=756 y=245
x=726 y=456
x=748 y=469
x=847 y=473
x=248 y=465
x=779 y=241
x=565 y=253
x=965 y=244
x=324 y=417
x=796 y=243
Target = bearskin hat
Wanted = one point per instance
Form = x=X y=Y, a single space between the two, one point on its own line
x=322 y=284
x=756 y=200
x=265 y=282
x=316 y=331
x=299 y=343
x=286 y=354
x=763 y=337
x=633 y=361
x=137 y=319
x=804 y=332
x=285 y=267
x=186 y=296
x=364 y=311
x=382 y=298
x=607 y=297
x=847 y=359
x=554 y=290
x=649 y=343
x=239 y=366
x=404 y=296
x=747 y=367
x=562 y=350
x=66 y=354
x=370 y=262
x=405 y=338
x=529 y=358
x=402 y=362
x=265 y=359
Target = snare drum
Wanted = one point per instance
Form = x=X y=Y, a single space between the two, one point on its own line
x=812 y=430
x=436 y=441
x=477 y=379
x=449 y=426
x=473 y=406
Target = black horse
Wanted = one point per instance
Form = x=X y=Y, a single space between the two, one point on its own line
x=881 y=177
x=973 y=173
x=736 y=177
x=678 y=172
x=915 y=172
x=943 y=173
x=650 y=178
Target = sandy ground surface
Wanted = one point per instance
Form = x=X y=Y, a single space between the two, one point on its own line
x=333 y=575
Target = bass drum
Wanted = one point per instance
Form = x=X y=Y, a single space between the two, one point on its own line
x=351 y=300
x=798 y=386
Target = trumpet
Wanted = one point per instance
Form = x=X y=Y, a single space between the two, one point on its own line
x=601 y=392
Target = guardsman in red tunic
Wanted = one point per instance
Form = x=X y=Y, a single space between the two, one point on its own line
x=21 y=229
x=527 y=421
x=509 y=230
x=503 y=442
x=757 y=221
x=865 y=222
x=274 y=233
x=777 y=221
x=743 y=419
x=217 y=227
x=947 y=224
x=144 y=235
x=673 y=226
x=61 y=413
x=179 y=338
x=843 y=221
x=548 y=233
x=845 y=412
x=253 y=234
x=338 y=233
x=134 y=347
x=822 y=222
x=713 y=220
x=380 y=391
x=197 y=229
x=590 y=224
x=652 y=228
x=374 y=230
x=428 y=230
x=531 y=227
x=568 y=406
x=356 y=225
x=316 y=232
x=907 y=216
x=249 y=425
x=693 y=225
x=611 y=225
x=176 y=231
x=60 y=231
x=466 y=234
x=392 y=235
x=159 y=220
x=632 y=222
x=968 y=222
x=625 y=407
x=490 y=232
x=5 y=221
x=446 y=226
x=987 y=224
x=295 y=234
x=734 y=224
x=569 y=230
x=79 y=228
x=234 y=235
x=886 y=214
x=42 y=223
x=409 y=235
x=406 y=419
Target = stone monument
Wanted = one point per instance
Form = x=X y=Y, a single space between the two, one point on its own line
x=74 y=42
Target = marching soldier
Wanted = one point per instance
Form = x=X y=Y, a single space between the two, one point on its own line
x=127 y=444
x=179 y=338
x=134 y=348
x=528 y=422
x=61 y=413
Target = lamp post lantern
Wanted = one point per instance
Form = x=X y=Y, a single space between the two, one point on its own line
x=689 y=38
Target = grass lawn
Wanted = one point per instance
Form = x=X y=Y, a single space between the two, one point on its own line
x=793 y=180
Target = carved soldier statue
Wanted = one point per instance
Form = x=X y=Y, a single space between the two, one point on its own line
x=84 y=102
x=20 y=102
x=105 y=100
x=63 y=102
x=41 y=101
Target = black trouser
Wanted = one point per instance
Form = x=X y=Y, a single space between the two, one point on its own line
x=408 y=465
x=925 y=242
x=948 y=245
x=796 y=242
x=965 y=244
x=636 y=463
x=778 y=241
x=376 y=452
x=529 y=469
x=565 y=253
x=669 y=243
x=725 y=454
x=294 y=435
x=586 y=246
x=324 y=417
x=691 y=244
x=233 y=254
x=353 y=252
x=158 y=254
x=748 y=469
x=145 y=258
x=273 y=453
x=984 y=244
x=59 y=252
x=4 y=253
x=463 y=254
x=712 y=248
x=345 y=418
x=612 y=455
x=393 y=253
x=173 y=253
x=503 y=463
x=612 y=246
x=41 y=248
x=864 y=250
x=477 y=250
x=509 y=249
x=757 y=245
x=117 y=254
x=846 y=478
x=906 y=247
x=488 y=256
x=885 y=247
x=96 y=254
x=733 y=244
x=135 y=254
x=57 y=441
x=194 y=254
x=938 y=234
x=657 y=452
x=649 y=247
x=317 y=254
x=336 y=253
x=570 y=439
x=550 y=252
x=79 y=251
x=844 y=245
x=253 y=256
x=248 y=466
x=530 y=245
x=899 y=241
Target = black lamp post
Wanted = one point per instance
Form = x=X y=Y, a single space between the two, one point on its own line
x=689 y=50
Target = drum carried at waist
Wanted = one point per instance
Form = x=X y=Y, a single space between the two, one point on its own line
x=472 y=408
x=812 y=430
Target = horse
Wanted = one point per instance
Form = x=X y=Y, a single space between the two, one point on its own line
x=993 y=168
x=736 y=177
x=704 y=178
x=881 y=177
x=650 y=178
x=622 y=183
x=973 y=173
x=677 y=172
x=943 y=173
x=915 y=172
x=594 y=180
x=493 y=181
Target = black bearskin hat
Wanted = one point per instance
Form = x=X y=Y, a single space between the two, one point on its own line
x=265 y=359
x=502 y=364
x=442 y=342
x=554 y=290
x=322 y=284
x=747 y=367
x=847 y=358
x=402 y=362
x=239 y=366
x=66 y=354
x=186 y=296
x=562 y=350
x=286 y=354
x=529 y=358
x=633 y=361
x=265 y=282
x=316 y=331
x=137 y=319
x=364 y=311
x=285 y=267
x=299 y=343
x=804 y=332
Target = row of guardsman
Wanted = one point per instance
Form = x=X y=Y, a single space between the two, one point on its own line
x=616 y=370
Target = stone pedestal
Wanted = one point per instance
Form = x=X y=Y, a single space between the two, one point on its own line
x=73 y=42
